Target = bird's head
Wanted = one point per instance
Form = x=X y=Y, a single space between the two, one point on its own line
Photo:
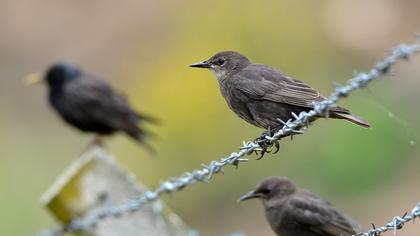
x=56 y=75
x=270 y=188
x=224 y=63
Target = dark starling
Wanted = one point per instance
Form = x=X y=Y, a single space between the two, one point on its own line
x=292 y=211
x=261 y=95
x=89 y=103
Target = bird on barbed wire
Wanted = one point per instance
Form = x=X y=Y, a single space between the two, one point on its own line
x=292 y=211
x=264 y=96
x=90 y=104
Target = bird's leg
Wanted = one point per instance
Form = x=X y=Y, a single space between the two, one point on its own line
x=261 y=141
x=266 y=144
x=97 y=141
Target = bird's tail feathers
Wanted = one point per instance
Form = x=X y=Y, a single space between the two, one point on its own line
x=148 y=118
x=353 y=119
x=142 y=136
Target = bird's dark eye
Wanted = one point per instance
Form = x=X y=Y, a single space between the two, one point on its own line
x=220 y=61
x=265 y=191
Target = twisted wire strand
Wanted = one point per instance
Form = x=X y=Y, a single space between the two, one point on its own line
x=395 y=224
x=206 y=172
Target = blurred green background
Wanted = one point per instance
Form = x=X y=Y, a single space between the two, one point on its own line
x=143 y=49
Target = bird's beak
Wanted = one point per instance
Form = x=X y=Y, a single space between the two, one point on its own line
x=203 y=64
x=249 y=195
x=33 y=79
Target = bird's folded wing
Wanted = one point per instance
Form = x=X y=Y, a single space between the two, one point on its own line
x=262 y=82
x=98 y=101
x=320 y=216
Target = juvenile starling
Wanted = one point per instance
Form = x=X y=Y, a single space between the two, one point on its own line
x=89 y=103
x=262 y=95
x=292 y=211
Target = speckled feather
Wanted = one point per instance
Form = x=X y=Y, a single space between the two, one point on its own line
x=261 y=95
x=293 y=211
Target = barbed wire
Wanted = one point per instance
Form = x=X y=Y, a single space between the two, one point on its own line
x=394 y=225
x=204 y=174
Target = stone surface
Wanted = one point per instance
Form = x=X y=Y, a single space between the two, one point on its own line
x=95 y=180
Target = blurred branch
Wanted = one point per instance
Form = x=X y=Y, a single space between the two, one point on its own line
x=396 y=223
x=205 y=173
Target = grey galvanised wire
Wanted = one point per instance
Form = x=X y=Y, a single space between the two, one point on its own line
x=204 y=174
x=396 y=223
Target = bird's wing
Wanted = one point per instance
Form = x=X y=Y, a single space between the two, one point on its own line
x=320 y=216
x=266 y=83
x=96 y=100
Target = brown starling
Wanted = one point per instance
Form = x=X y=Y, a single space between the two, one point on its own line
x=292 y=211
x=89 y=103
x=262 y=95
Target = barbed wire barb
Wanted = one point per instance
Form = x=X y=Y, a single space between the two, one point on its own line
x=290 y=127
x=395 y=224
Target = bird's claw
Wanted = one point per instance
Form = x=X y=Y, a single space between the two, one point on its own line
x=266 y=145
x=277 y=146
